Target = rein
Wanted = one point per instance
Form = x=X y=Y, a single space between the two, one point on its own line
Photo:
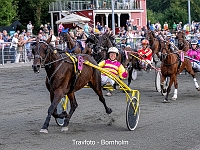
x=172 y=63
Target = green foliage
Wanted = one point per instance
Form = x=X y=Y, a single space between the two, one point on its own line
x=8 y=12
x=35 y=11
x=172 y=10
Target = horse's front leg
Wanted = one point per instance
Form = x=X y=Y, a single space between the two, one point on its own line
x=73 y=105
x=176 y=88
x=162 y=84
x=172 y=79
x=56 y=99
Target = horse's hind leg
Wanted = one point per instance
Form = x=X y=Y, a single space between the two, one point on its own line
x=191 y=71
x=96 y=86
x=73 y=105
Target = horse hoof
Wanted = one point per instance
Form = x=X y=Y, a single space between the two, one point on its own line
x=165 y=101
x=198 y=89
x=64 y=129
x=174 y=98
x=43 y=131
x=108 y=111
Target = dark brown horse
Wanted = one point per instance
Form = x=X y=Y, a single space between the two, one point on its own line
x=171 y=66
x=102 y=47
x=90 y=43
x=72 y=45
x=154 y=43
x=131 y=63
x=64 y=79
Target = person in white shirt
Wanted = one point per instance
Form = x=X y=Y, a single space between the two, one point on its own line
x=53 y=38
x=30 y=28
x=14 y=48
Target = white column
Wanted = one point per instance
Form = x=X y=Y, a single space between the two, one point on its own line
x=60 y=17
x=129 y=16
x=106 y=14
x=94 y=15
x=118 y=14
x=52 y=25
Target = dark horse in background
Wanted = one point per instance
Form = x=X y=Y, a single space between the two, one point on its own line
x=16 y=25
x=101 y=49
x=63 y=79
x=72 y=45
x=171 y=66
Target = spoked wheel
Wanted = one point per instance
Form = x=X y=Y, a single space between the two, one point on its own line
x=166 y=84
x=157 y=81
x=134 y=74
x=60 y=108
x=132 y=114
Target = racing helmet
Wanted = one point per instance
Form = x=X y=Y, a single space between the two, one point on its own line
x=113 y=50
x=145 y=42
x=169 y=34
x=194 y=42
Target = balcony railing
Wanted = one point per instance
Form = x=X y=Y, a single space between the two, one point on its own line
x=97 y=4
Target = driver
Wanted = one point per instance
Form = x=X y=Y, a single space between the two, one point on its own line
x=194 y=53
x=113 y=66
x=145 y=54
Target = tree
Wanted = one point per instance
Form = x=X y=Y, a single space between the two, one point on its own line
x=8 y=12
x=35 y=11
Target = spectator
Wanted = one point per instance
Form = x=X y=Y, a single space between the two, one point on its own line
x=99 y=26
x=6 y=38
x=20 y=47
x=53 y=38
x=49 y=27
x=30 y=28
x=60 y=28
x=41 y=27
x=13 y=49
x=46 y=31
x=165 y=26
x=28 y=41
x=1 y=40
x=112 y=65
x=179 y=26
x=174 y=26
x=86 y=29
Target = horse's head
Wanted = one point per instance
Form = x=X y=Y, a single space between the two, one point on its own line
x=40 y=52
x=104 y=42
x=165 y=49
x=181 y=42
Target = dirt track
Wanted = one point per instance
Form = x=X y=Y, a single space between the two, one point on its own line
x=25 y=100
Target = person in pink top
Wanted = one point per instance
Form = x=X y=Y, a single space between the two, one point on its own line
x=194 y=53
x=112 y=65
x=60 y=27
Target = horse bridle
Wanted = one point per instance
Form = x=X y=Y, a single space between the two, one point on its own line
x=167 y=55
x=37 y=54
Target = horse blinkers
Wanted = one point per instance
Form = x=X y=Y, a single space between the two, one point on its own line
x=40 y=53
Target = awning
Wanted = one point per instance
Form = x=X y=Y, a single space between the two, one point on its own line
x=72 y=18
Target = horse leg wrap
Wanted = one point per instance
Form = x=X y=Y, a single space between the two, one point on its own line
x=195 y=83
x=175 y=94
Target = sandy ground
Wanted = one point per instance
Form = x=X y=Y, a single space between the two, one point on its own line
x=25 y=100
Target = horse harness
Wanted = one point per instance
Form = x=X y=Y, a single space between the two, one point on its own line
x=72 y=57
